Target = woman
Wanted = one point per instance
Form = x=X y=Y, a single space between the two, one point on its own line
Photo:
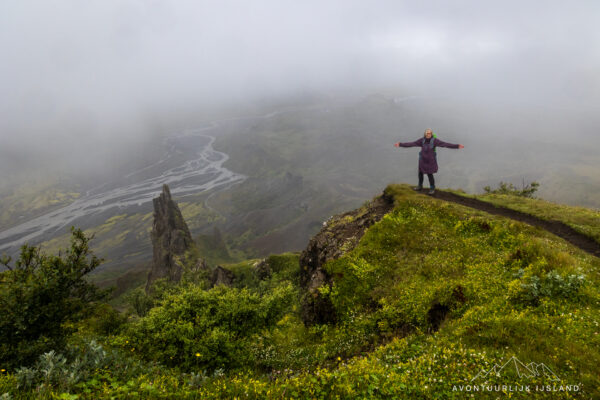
x=427 y=156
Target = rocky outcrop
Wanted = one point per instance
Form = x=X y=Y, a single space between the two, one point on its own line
x=171 y=238
x=221 y=276
x=340 y=234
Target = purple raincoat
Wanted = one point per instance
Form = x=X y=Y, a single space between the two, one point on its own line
x=427 y=156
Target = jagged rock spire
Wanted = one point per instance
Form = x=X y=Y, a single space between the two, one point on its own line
x=170 y=239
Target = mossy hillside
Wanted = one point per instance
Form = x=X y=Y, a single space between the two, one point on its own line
x=499 y=289
x=197 y=215
x=36 y=197
x=212 y=248
x=110 y=235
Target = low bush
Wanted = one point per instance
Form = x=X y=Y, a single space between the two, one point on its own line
x=78 y=366
x=198 y=329
x=508 y=188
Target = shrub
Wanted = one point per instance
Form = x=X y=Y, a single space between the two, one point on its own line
x=39 y=295
x=196 y=329
x=508 y=188
x=104 y=320
x=140 y=301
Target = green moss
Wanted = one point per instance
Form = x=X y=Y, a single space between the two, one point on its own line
x=196 y=214
x=111 y=242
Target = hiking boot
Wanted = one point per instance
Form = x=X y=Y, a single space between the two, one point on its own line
x=418 y=188
x=431 y=191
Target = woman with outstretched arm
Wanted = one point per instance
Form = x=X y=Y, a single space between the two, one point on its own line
x=427 y=156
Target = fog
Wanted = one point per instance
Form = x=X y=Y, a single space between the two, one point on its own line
x=78 y=77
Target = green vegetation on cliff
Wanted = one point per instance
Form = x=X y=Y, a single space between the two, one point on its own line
x=432 y=297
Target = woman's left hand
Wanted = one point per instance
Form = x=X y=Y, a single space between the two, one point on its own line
x=460 y=146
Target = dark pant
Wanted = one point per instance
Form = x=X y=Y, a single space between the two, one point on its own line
x=430 y=177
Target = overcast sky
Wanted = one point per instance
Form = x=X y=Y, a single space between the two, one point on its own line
x=94 y=70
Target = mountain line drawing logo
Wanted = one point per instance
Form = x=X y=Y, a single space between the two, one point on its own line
x=530 y=370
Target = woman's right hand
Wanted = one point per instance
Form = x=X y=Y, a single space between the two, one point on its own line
x=397 y=144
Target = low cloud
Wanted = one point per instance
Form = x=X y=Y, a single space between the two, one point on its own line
x=84 y=74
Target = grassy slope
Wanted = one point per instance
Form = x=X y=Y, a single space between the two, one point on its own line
x=428 y=252
x=582 y=219
x=509 y=289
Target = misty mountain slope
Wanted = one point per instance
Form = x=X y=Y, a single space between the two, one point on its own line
x=310 y=159
x=434 y=299
x=304 y=165
x=326 y=142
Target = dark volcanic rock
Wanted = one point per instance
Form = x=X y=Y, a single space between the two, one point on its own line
x=339 y=235
x=170 y=239
x=221 y=276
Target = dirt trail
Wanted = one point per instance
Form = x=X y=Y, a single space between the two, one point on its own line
x=558 y=228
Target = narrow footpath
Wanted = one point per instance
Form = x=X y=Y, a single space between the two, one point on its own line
x=558 y=228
